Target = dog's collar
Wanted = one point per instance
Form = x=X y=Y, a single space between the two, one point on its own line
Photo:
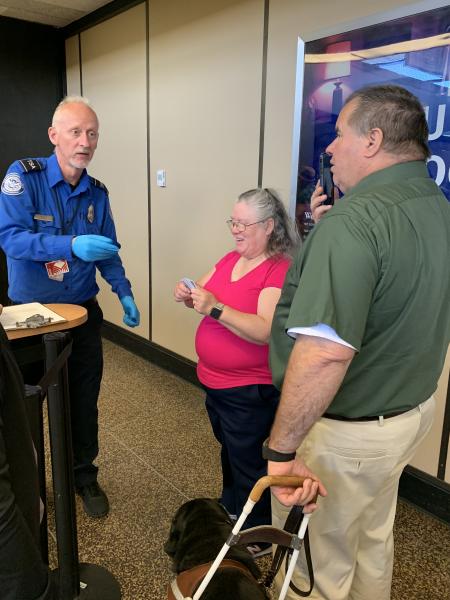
x=184 y=585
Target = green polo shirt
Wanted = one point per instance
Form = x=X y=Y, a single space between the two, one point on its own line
x=376 y=269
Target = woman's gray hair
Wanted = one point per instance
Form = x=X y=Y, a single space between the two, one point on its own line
x=267 y=204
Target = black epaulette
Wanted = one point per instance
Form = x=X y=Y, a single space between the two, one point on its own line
x=31 y=164
x=99 y=184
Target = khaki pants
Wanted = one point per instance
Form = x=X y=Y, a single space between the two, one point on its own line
x=360 y=464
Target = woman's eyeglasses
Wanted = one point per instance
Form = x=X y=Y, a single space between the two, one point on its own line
x=241 y=227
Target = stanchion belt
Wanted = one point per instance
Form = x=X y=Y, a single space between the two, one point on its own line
x=52 y=373
x=292 y=525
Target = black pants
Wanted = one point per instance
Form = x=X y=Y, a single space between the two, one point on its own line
x=85 y=367
x=22 y=573
x=241 y=418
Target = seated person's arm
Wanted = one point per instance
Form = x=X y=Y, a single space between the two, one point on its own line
x=22 y=572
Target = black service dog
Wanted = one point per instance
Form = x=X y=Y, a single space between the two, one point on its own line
x=198 y=531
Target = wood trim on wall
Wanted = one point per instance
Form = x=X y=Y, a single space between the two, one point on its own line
x=166 y=359
x=445 y=438
x=263 y=93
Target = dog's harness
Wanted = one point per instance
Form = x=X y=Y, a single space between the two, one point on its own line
x=184 y=585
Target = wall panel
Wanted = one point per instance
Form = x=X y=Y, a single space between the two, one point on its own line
x=113 y=62
x=427 y=455
x=73 y=71
x=205 y=84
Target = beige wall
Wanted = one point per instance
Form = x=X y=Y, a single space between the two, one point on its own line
x=205 y=64
x=427 y=455
x=205 y=90
x=73 y=67
x=114 y=79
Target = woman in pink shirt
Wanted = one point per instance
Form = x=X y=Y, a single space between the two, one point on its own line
x=238 y=298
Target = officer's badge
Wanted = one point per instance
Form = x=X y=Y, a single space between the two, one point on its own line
x=90 y=213
x=12 y=185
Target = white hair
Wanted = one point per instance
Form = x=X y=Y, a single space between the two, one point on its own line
x=70 y=100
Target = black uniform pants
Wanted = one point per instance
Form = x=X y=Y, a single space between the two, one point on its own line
x=241 y=418
x=85 y=368
x=85 y=375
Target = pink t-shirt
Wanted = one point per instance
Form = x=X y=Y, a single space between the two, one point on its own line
x=225 y=359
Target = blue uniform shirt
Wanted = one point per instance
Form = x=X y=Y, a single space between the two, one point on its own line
x=40 y=214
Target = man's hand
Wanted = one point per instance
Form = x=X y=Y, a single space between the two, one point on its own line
x=304 y=496
x=317 y=208
x=131 y=315
x=93 y=247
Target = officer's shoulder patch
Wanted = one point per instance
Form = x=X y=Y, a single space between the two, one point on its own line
x=31 y=164
x=99 y=184
x=12 y=184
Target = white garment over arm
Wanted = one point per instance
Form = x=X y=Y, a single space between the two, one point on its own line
x=319 y=330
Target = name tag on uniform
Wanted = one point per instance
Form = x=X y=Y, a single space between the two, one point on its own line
x=56 y=269
x=48 y=218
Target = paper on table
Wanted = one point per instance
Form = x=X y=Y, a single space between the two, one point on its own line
x=12 y=315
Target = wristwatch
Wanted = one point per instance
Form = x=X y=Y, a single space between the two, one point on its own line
x=275 y=455
x=217 y=310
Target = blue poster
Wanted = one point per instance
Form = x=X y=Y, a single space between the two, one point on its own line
x=413 y=52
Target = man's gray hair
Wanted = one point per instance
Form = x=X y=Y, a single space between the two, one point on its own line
x=71 y=100
x=398 y=113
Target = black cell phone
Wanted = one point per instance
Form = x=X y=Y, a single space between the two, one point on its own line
x=326 y=178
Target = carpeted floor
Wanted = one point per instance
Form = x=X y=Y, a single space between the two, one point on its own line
x=157 y=451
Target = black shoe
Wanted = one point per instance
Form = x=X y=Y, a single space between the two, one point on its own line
x=95 y=501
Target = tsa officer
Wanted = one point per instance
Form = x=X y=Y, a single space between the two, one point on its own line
x=57 y=229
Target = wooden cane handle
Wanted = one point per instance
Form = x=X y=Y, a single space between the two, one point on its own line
x=274 y=480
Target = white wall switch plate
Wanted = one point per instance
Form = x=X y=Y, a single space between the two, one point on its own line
x=161 y=178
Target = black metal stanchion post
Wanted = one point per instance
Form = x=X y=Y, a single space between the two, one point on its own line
x=96 y=582
x=62 y=467
x=34 y=411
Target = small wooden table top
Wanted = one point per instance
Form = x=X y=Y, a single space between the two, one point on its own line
x=75 y=315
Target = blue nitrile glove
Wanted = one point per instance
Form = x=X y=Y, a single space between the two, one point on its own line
x=93 y=247
x=131 y=316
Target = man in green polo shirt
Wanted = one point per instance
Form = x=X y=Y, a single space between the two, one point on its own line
x=359 y=339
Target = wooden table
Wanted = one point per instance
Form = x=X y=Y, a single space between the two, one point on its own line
x=75 y=315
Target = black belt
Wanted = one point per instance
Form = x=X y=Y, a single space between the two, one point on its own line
x=374 y=418
x=89 y=303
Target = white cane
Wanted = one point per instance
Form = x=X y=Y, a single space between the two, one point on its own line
x=294 y=557
x=255 y=495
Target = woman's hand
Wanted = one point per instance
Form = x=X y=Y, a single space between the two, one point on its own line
x=183 y=294
x=203 y=300
x=317 y=208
